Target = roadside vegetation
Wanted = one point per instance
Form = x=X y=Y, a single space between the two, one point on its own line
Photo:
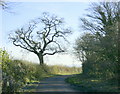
x=99 y=49
x=92 y=84
x=64 y=70
x=18 y=73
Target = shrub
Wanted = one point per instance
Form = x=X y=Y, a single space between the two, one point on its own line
x=17 y=73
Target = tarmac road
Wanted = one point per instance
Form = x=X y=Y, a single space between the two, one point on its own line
x=53 y=84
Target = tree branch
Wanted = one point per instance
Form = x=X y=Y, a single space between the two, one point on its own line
x=53 y=52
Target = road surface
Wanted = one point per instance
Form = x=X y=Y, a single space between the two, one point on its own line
x=54 y=84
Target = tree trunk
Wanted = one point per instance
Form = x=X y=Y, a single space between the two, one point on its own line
x=41 y=59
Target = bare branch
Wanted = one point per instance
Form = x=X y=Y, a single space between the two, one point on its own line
x=39 y=35
x=53 y=52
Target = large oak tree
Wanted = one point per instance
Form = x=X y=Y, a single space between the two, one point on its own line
x=42 y=36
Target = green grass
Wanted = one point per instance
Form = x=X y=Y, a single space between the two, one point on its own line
x=93 y=84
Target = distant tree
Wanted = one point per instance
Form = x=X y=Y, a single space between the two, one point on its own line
x=42 y=36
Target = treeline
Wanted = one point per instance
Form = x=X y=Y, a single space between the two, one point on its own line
x=98 y=48
x=62 y=70
x=18 y=73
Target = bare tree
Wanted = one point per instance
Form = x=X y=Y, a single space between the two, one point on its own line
x=42 y=36
x=3 y=4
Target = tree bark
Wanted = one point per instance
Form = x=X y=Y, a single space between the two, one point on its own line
x=41 y=59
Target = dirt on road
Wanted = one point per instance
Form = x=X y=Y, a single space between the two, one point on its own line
x=54 y=84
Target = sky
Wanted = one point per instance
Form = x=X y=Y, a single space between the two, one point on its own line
x=20 y=13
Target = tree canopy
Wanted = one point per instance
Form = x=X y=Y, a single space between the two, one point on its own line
x=42 y=36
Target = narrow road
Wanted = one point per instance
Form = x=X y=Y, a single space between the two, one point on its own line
x=54 y=84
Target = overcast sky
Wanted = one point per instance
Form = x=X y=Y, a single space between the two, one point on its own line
x=23 y=12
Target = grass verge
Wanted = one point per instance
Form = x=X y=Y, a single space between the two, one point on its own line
x=90 y=84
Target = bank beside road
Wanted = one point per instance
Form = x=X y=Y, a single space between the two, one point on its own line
x=91 y=84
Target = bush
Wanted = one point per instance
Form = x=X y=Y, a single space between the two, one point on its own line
x=17 y=73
